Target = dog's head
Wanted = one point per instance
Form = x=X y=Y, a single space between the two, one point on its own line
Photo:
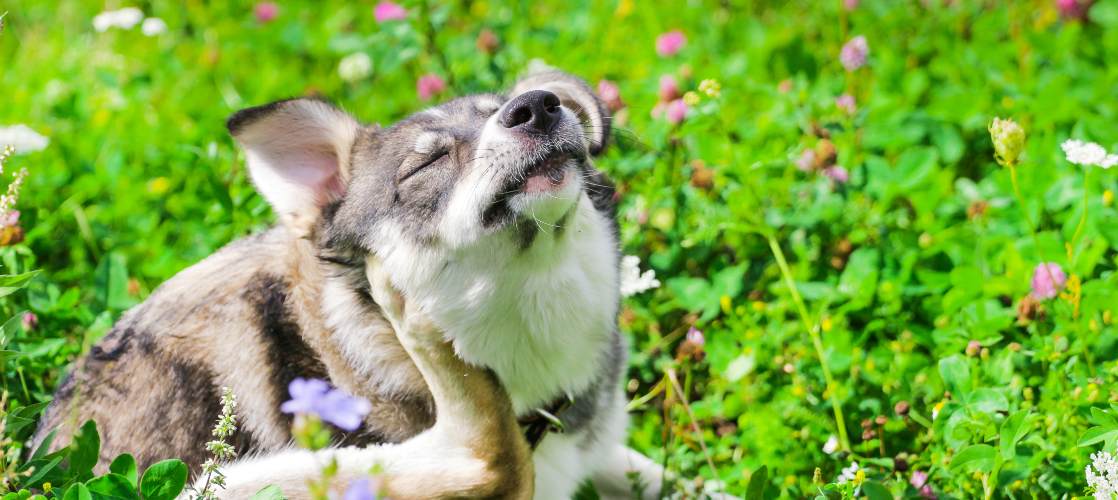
x=449 y=177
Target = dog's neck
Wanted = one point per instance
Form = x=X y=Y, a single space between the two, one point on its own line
x=541 y=316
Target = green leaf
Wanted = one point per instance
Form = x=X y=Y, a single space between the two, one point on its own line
x=1013 y=431
x=84 y=450
x=110 y=282
x=11 y=283
x=974 y=458
x=164 y=480
x=78 y=492
x=125 y=465
x=272 y=492
x=876 y=491
x=758 y=482
x=955 y=371
x=112 y=487
x=1097 y=435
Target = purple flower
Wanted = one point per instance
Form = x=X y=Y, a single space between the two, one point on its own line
x=9 y=218
x=669 y=88
x=266 y=11
x=846 y=103
x=1073 y=9
x=429 y=85
x=315 y=397
x=695 y=336
x=837 y=174
x=919 y=480
x=611 y=95
x=1048 y=280
x=854 y=53
x=850 y=4
x=360 y=489
x=973 y=348
x=806 y=161
x=670 y=43
x=676 y=111
x=29 y=321
x=389 y=11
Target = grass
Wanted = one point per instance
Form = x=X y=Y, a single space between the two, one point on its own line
x=825 y=306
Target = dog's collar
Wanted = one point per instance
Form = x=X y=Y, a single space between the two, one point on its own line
x=540 y=421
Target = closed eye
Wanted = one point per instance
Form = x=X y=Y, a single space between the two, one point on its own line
x=431 y=160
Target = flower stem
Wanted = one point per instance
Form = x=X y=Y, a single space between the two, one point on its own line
x=812 y=328
x=1072 y=250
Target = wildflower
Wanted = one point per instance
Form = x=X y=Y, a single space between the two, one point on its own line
x=837 y=174
x=219 y=448
x=153 y=26
x=919 y=480
x=1102 y=475
x=1048 y=280
x=676 y=111
x=806 y=161
x=22 y=139
x=315 y=397
x=1009 y=140
x=360 y=489
x=670 y=43
x=29 y=321
x=691 y=98
x=902 y=408
x=695 y=336
x=853 y=55
x=429 y=85
x=711 y=88
x=633 y=281
x=849 y=474
x=124 y=19
x=1088 y=154
x=846 y=103
x=356 y=66
x=389 y=11
x=669 y=88
x=850 y=4
x=973 y=347
x=487 y=41
x=266 y=12
x=785 y=86
x=938 y=408
x=1073 y=9
x=611 y=95
x=1107 y=198
x=831 y=445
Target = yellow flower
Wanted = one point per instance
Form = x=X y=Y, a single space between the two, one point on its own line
x=710 y=87
x=159 y=185
x=1107 y=198
x=727 y=306
x=1009 y=141
x=859 y=477
x=758 y=305
x=1073 y=292
x=826 y=325
x=691 y=98
x=624 y=8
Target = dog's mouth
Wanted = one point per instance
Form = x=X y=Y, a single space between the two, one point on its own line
x=547 y=176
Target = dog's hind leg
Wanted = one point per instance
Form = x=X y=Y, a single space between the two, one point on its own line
x=475 y=449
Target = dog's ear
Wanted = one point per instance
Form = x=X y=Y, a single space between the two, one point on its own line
x=298 y=154
x=576 y=95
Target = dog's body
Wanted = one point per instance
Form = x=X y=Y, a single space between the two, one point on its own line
x=483 y=212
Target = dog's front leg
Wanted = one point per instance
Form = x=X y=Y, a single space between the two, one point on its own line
x=474 y=450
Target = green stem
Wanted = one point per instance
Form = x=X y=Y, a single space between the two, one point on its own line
x=1073 y=254
x=813 y=331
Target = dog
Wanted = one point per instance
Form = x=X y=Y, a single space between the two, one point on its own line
x=484 y=213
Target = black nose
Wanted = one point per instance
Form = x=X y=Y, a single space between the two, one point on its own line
x=535 y=110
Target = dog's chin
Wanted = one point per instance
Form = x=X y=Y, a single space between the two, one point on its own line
x=549 y=191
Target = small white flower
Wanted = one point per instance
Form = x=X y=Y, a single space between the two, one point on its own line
x=848 y=474
x=355 y=66
x=1103 y=477
x=22 y=138
x=153 y=26
x=831 y=445
x=633 y=281
x=1087 y=153
x=124 y=19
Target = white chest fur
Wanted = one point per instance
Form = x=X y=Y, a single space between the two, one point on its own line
x=541 y=317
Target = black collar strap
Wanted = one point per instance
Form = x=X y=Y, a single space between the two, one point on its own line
x=540 y=421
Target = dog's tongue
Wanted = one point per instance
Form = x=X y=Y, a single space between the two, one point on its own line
x=550 y=178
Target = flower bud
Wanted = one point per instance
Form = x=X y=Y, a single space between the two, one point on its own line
x=1009 y=141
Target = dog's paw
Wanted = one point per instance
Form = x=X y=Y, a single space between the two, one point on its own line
x=412 y=325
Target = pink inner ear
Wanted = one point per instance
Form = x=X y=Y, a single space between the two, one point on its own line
x=317 y=170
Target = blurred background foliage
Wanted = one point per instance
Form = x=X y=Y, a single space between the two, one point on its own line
x=903 y=239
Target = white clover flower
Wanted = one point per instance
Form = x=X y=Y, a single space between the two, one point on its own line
x=124 y=19
x=848 y=474
x=1087 y=153
x=153 y=26
x=355 y=66
x=1102 y=475
x=633 y=281
x=831 y=445
x=22 y=138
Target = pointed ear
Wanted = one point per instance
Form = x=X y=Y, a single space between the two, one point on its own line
x=576 y=95
x=298 y=154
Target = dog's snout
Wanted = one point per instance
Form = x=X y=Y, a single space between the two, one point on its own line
x=536 y=111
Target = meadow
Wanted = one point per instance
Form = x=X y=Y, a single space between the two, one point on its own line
x=864 y=285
